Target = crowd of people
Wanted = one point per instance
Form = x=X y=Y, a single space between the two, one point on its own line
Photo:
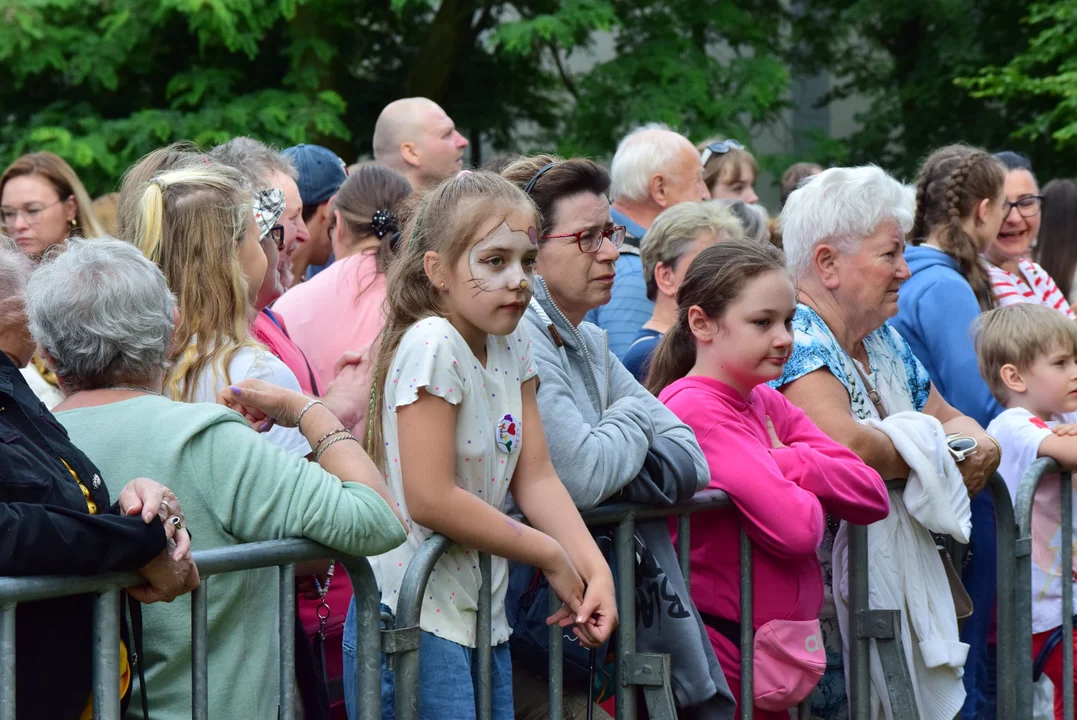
x=246 y=344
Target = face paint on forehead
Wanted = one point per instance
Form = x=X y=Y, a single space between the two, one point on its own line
x=497 y=261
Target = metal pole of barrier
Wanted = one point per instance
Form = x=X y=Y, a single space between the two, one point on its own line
x=747 y=629
x=1023 y=595
x=199 y=652
x=860 y=678
x=625 y=549
x=367 y=637
x=286 y=605
x=106 y=655
x=408 y=611
x=7 y=663
x=1007 y=615
x=557 y=663
x=1066 y=572
x=684 y=549
x=484 y=702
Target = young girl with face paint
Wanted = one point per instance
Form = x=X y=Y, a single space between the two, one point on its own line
x=455 y=427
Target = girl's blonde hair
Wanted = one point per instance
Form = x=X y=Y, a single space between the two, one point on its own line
x=726 y=167
x=445 y=220
x=190 y=223
x=66 y=183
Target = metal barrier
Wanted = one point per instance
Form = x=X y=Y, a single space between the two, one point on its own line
x=106 y=624
x=1036 y=472
x=650 y=672
x=633 y=670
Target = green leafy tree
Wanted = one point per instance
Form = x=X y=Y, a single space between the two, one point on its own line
x=1041 y=77
x=904 y=56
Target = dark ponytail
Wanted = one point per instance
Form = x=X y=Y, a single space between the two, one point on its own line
x=715 y=278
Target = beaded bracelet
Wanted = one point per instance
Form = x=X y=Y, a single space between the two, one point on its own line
x=306 y=407
x=321 y=450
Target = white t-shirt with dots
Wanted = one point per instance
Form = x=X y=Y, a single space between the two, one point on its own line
x=434 y=356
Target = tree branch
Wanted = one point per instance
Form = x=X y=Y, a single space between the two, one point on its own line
x=570 y=85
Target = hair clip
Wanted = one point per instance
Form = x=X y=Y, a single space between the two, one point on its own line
x=383 y=222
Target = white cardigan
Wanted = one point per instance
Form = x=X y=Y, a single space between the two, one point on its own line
x=906 y=573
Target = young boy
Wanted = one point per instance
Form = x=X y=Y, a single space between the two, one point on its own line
x=1028 y=357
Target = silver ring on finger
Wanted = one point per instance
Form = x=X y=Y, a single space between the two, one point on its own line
x=175 y=522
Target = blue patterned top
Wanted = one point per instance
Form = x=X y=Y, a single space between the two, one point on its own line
x=899 y=377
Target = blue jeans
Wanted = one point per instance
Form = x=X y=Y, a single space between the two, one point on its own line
x=980 y=578
x=448 y=678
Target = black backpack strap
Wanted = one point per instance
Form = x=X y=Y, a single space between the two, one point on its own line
x=134 y=608
x=728 y=629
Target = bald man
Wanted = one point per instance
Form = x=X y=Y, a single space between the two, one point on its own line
x=416 y=138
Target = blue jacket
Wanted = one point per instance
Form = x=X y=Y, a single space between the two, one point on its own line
x=936 y=310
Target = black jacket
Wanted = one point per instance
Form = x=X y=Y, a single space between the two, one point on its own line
x=46 y=529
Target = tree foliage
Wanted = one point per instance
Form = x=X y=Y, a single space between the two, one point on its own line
x=102 y=82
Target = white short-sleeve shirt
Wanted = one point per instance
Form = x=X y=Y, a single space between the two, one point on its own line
x=1019 y=434
x=489 y=430
x=250 y=362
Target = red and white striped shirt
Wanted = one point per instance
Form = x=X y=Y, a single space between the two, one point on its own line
x=1032 y=284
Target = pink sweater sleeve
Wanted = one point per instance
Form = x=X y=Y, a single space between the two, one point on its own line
x=847 y=487
x=779 y=516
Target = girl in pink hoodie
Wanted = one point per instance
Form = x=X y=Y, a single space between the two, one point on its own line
x=733 y=335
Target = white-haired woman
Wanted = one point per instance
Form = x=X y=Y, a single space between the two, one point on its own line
x=104 y=318
x=844 y=237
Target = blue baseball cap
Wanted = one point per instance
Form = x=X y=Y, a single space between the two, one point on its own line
x=321 y=172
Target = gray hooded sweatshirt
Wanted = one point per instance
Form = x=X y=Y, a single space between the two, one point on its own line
x=600 y=423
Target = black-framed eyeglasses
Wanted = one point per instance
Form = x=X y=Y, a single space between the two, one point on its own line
x=589 y=241
x=276 y=233
x=719 y=148
x=1028 y=206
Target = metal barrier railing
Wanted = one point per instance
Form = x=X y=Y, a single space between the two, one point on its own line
x=1026 y=492
x=634 y=670
x=282 y=554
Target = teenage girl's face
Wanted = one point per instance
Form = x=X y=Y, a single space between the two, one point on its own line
x=38 y=217
x=492 y=281
x=252 y=259
x=1017 y=232
x=754 y=337
x=743 y=188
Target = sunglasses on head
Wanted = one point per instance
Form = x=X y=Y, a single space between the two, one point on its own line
x=719 y=148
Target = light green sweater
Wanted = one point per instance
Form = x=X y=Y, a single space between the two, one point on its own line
x=235 y=487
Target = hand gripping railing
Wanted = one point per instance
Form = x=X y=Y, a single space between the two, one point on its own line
x=633 y=669
x=1036 y=472
x=106 y=624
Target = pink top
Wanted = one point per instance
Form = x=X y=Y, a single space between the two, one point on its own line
x=326 y=316
x=1032 y=284
x=276 y=339
x=781 y=494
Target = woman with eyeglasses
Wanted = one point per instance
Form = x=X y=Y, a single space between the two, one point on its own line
x=43 y=202
x=729 y=170
x=1015 y=278
x=609 y=438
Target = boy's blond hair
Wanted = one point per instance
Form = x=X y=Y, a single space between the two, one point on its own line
x=1017 y=335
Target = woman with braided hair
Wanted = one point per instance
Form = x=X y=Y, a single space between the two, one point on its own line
x=960 y=203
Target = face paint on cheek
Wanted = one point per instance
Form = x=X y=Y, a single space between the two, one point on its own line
x=497 y=261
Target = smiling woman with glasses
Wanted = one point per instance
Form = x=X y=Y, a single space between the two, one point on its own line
x=602 y=426
x=1015 y=278
x=42 y=203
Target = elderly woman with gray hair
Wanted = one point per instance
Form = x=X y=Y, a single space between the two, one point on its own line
x=56 y=518
x=104 y=317
x=668 y=248
x=844 y=237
